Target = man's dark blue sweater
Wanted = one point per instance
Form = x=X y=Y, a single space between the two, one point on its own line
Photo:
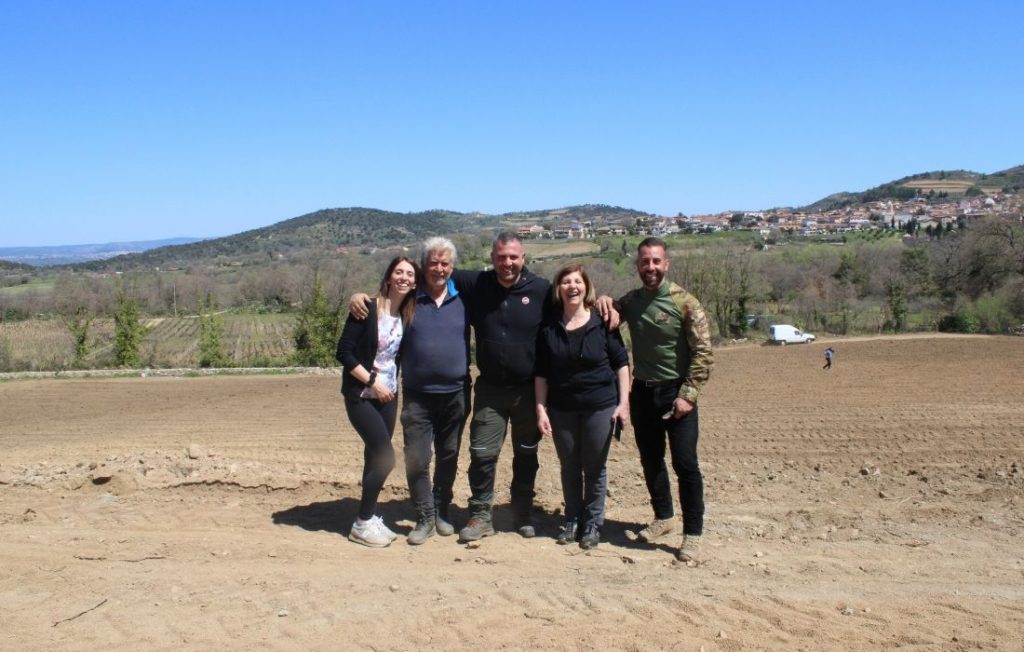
x=434 y=359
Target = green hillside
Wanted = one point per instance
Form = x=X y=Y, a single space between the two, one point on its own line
x=942 y=184
x=325 y=230
x=320 y=231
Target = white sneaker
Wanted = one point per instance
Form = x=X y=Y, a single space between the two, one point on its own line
x=384 y=529
x=368 y=533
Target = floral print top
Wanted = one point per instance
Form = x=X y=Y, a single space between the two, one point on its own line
x=389 y=338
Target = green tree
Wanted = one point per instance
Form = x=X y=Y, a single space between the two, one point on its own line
x=316 y=330
x=896 y=303
x=128 y=331
x=78 y=323
x=851 y=271
x=211 y=331
x=916 y=272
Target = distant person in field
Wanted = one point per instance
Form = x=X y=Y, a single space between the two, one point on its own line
x=829 y=353
x=672 y=359
x=582 y=390
x=435 y=389
x=369 y=350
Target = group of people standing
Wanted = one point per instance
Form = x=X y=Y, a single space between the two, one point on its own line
x=551 y=363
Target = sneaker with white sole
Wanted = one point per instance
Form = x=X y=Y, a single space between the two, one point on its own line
x=659 y=527
x=384 y=528
x=369 y=533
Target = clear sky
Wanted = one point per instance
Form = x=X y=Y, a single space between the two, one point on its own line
x=141 y=120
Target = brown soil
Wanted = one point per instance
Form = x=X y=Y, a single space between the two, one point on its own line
x=876 y=505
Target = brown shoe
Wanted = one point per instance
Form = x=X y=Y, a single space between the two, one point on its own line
x=689 y=550
x=657 y=529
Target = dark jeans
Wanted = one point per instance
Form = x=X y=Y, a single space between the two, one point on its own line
x=432 y=419
x=647 y=405
x=494 y=409
x=582 y=440
x=375 y=423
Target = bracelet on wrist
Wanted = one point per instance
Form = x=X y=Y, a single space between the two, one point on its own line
x=373 y=377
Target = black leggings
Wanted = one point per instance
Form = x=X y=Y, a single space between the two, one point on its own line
x=375 y=423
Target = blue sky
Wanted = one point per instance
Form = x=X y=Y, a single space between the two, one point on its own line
x=143 y=120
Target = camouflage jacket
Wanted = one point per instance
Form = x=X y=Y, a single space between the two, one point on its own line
x=671 y=337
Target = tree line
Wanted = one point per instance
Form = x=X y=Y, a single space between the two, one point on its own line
x=966 y=279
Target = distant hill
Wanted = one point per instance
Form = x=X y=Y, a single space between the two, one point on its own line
x=573 y=213
x=69 y=254
x=8 y=266
x=940 y=184
x=320 y=230
x=347 y=227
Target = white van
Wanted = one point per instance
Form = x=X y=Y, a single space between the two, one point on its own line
x=783 y=334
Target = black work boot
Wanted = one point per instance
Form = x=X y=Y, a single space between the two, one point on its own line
x=478 y=527
x=424 y=530
x=441 y=521
x=591 y=537
x=570 y=533
x=524 y=517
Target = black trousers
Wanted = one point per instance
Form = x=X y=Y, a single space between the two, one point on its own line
x=647 y=406
x=375 y=423
x=432 y=420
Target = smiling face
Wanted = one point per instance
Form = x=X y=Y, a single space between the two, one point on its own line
x=572 y=290
x=437 y=272
x=508 y=259
x=651 y=265
x=402 y=280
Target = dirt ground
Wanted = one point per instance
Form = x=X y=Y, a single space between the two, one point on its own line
x=876 y=505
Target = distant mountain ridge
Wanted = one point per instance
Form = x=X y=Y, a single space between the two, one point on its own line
x=332 y=228
x=947 y=183
x=70 y=254
x=357 y=227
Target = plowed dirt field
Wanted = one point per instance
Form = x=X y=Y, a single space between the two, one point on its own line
x=876 y=505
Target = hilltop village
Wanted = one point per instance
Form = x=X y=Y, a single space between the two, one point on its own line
x=924 y=213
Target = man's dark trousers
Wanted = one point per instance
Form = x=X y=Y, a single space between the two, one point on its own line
x=647 y=405
x=432 y=420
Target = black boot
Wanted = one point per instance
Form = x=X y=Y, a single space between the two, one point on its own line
x=478 y=527
x=424 y=530
x=570 y=533
x=524 y=517
x=441 y=521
